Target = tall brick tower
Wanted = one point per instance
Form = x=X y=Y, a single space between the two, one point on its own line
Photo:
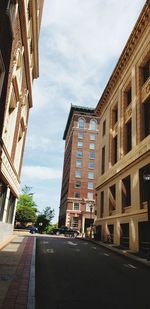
x=77 y=205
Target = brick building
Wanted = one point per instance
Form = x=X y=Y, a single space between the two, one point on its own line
x=124 y=111
x=19 y=32
x=77 y=206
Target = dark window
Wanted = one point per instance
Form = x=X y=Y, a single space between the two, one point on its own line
x=104 y=127
x=10 y=208
x=79 y=154
x=102 y=204
x=145 y=170
x=112 y=198
x=146 y=71
x=126 y=192
x=78 y=184
x=77 y=194
x=128 y=96
x=147 y=118
x=114 y=115
x=128 y=136
x=114 y=150
x=103 y=160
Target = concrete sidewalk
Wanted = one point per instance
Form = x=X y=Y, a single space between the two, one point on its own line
x=124 y=252
x=16 y=272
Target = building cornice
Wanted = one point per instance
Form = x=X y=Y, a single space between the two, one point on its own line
x=142 y=22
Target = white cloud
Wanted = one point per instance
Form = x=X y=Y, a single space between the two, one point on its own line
x=40 y=173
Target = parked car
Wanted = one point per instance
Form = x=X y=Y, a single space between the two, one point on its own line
x=33 y=229
x=65 y=231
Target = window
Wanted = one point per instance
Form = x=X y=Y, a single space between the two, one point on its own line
x=102 y=204
x=75 y=222
x=90 y=175
x=81 y=123
x=128 y=130
x=91 y=165
x=80 y=135
x=128 y=96
x=104 y=127
x=114 y=150
x=76 y=206
x=92 y=137
x=2 y=72
x=93 y=124
x=112 y=198
x=92 y=154
x=146 y=118
x=92 y=146
x=77 y=194
x=146 y=71
x=78 y=174
x=114 y=115
x=79 y=154
x=80 y=144
x=90 y=195
x=78 y=184
x=103 y=160
x=79 y=163
x=126 y=192
x=90 y=185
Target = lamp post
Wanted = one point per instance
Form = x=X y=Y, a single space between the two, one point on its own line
x=146 y=178
x=91 y=210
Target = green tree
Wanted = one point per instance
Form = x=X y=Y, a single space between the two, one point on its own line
x=44 y=219
x=26 y=207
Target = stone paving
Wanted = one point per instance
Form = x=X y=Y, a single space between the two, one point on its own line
x=15 y=266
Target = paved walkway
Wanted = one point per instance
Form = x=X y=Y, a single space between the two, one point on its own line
x=15 y=273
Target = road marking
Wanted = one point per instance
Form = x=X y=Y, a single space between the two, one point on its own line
x=72 y=243
x=45 y=242
x=94 y=248
x=130 y=266
x=106 y=254
x=50 y=250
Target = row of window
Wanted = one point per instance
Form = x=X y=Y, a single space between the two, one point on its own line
x=79 y=154
x=76 y=206
x=91 y=164
x=90 y=185
x=82 y=122
x=89 y=195
x=125 y=192
x=78 y=174
x=80 y=145
x=92 y=136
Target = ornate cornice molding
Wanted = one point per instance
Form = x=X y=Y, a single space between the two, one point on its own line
x=142 y=22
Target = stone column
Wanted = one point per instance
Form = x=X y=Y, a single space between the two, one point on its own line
x=6 y=204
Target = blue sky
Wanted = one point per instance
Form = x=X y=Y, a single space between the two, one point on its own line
x=80 y=43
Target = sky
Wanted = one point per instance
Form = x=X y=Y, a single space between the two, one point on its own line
x=79 y=46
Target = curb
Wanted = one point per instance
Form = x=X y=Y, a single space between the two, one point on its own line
x=119 y=251
x=31 y=293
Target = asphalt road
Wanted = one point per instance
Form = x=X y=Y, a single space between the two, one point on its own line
x=75 y=274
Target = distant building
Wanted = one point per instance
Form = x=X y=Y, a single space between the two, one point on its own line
x=124 y=111
x=19 y=32
x=77 y=206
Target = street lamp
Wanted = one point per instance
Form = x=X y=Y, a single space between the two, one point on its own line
x=146 y=178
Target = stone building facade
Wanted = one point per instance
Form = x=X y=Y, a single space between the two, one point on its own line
x=77 y=206
x=124 y=111
x=19 y=32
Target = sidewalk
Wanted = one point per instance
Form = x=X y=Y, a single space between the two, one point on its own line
x=124 y=252
x=16 y=265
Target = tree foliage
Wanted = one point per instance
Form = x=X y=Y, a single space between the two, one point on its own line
x=26 y=207
x=44 y=219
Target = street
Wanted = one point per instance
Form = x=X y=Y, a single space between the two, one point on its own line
x=74 y=273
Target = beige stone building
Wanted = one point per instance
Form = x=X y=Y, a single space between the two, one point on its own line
x=124 y=111
x=19 y=32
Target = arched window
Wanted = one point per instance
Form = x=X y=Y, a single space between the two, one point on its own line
x=93 y=124
x=81 y=123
